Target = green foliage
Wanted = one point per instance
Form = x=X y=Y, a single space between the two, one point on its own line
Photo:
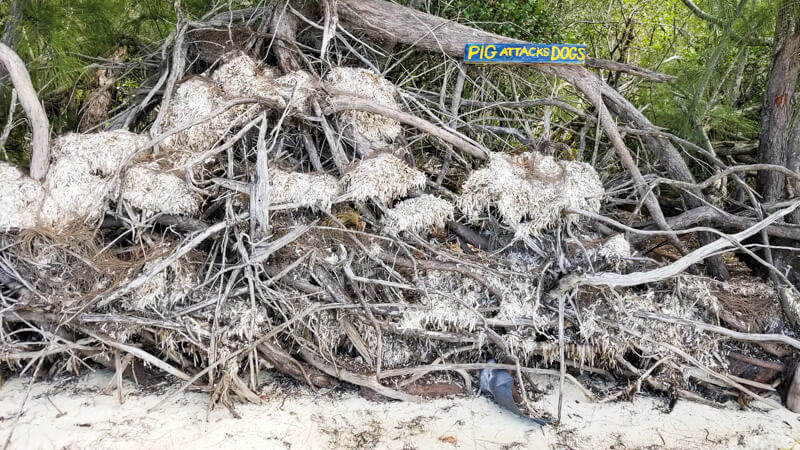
x=60 y=39
x=710 y=101
x=710 y=94
x=528 y=20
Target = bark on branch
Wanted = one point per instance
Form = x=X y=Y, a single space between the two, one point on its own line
x=349 y=102
x=398 y=23
x=778 y=104
x=640 y=72
x=662 y=273
x=40 y=127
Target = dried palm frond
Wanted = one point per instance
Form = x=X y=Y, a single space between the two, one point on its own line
x=382 y=177
x=530 y=191
x=419 y=214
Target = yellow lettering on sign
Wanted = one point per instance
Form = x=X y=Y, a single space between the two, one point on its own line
x=582 y=54
x=505 y=52
x=564 y=53
x=491 y=51
x=473 y=50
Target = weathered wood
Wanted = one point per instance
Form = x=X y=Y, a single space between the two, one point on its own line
x=398 y=23
x=670 y=270
x=286 y=364
x=753 y=369
x=344 y=102
x=259 y=190
x=40 y=126
x=723 y=220
x=735 y=148
x=792 y=397
x=434 y=390
x=404 y=371
x=360 y=380
x=137 y=352
x=640 y=72
x=330 y=22
x=737 y=335
x=340 y=159
x=283 y=25
x=670 y=158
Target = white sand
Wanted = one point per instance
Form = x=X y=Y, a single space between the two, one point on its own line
x=302 y=419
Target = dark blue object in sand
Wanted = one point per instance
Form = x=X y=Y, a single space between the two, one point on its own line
x=499 y=383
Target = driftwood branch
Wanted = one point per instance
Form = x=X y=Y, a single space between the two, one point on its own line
x=358 y=379
x=349 y=102
x=40 y=126
x=640 y=72
x=662 y=273
x=737 y=335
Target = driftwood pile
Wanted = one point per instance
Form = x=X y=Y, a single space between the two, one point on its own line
x=302 y=200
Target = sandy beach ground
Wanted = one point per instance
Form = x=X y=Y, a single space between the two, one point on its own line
x=74 y=413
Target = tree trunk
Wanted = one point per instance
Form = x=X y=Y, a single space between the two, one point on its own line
x=773 y=146
x=40 y=126
x=775 y=138
x=794 y=163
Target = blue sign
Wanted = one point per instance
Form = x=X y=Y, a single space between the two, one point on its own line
x=525 y=53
